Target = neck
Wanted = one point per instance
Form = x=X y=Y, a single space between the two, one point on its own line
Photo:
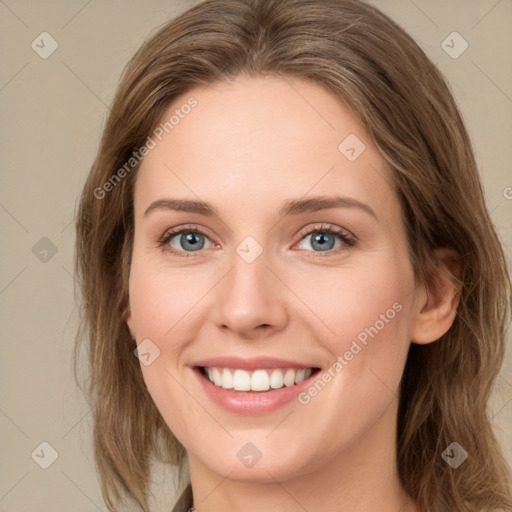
x=362 y=476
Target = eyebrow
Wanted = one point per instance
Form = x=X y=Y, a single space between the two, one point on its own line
x=290 y=207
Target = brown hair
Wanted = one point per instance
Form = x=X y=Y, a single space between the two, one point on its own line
x=372 y=65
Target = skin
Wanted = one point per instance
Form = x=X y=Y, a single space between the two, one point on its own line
x=248 y=146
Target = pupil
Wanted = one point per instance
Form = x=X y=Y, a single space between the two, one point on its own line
x=321 y=239
x=191 y=238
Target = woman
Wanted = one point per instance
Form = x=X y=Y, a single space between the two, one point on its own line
x=285 y=225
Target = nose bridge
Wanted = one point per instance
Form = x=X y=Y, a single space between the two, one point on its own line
x=250 y=294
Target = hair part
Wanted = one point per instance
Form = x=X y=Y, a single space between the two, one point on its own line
x=375 y=68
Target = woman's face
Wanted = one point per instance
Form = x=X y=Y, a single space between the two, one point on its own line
x=261 y=292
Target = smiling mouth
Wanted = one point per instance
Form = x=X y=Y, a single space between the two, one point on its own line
x=260 y=380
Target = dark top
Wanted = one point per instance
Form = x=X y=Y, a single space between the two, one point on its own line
x=185 y=502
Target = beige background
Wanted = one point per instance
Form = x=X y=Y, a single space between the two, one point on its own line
x=52 y=113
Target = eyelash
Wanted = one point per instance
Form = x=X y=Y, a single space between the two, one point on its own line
x=329 y=229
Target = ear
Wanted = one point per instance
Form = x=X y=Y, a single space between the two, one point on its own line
x=437 y=299
x=127 y=316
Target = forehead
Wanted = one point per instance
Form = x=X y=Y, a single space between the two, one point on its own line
x=262 y=140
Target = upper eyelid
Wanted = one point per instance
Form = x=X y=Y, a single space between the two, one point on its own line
x=186 y=227
x=326 y=226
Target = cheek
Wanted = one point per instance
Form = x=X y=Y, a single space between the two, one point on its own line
x=163 y=300
x=365 y=323
x=369 y=316
x=162 y=306
x=355 y=303
x=168 y=307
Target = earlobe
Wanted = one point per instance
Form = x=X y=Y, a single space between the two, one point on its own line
x=437 y=300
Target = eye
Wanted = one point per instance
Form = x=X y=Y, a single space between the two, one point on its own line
x=187 y=239
x=323 y=239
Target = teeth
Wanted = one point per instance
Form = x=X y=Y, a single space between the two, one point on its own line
x=241 y=380
x=276 y=379
x=289 y=377
x=227 y=379
x=258 y=380
x=299 y=376
x=217 y=379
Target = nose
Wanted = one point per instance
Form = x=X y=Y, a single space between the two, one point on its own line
x=251 y=301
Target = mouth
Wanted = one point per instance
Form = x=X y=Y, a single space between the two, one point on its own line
x=259 y=380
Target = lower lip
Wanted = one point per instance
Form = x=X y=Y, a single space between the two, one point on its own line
x=252 y=402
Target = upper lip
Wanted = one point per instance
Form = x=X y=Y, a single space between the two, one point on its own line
x=254 y=363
